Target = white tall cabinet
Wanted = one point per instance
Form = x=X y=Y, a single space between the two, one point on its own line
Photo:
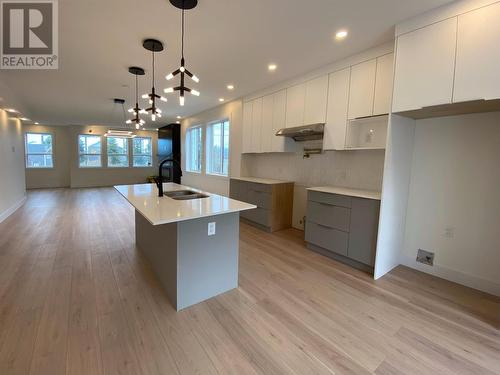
x=424 y=66
x=362 y=89
x=477 y=72
x=336 y=114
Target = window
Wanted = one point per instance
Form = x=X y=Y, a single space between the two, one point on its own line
x=142 y=152
x=218 y=148
x=194 y=149
x=89 y=151
x=39 y=150
x=117 y=152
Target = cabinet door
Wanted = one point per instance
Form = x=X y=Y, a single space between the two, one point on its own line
x=315 y=100
x=363 y=230
x=279 y=113
x=295 y=103
x=246 y=142
x=336 y=120
x=383 y=85
x=267 y=123
x=477 y=74
x=425 y=63
x=362 y=89
x=256 y=124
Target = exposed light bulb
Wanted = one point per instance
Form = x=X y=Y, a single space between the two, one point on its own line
x=153 y=117
x=196 y=79
x=145 y=96
x=137 y=126
x=181 y=100
x=182 y=69
x=143 y=111
x=128 y=122
x=150 y=101
x=158 y=110
x=169 y=77
x=195 y=92
x=130 y=110
x=158 y=115
x=168 y=89
x=163 y=99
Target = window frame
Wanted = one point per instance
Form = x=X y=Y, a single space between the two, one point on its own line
x=85 y=154
x=150 y=155
x=209 y=141
x=188 y=148
x=26 y=153
x=127 y=153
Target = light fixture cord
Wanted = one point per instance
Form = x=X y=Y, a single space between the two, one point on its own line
x=153 y=68
x=182 y=33
x=136 y=91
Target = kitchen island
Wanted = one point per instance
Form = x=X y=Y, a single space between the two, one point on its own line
x=190 y=237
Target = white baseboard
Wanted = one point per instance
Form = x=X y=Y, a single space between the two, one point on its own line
x=458 y=277
x=9 y=211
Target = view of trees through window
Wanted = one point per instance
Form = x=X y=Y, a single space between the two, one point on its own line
x=117 y=152
x=39 y=150
x=142 y=152
x=89 y=149
x=218 y=148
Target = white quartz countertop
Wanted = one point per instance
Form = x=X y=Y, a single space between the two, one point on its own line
x=258 y=180
x=369 y=194
x=164 y=210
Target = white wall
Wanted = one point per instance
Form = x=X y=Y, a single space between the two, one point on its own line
x=12 y=180
x=357 y=169
x=454 y=199
x=216 y=184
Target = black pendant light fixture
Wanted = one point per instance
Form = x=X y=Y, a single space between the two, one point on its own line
x=183 y=5
x=154 y=46
x=136 y=110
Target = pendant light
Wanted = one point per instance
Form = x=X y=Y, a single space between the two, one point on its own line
x=136 y=110
x=183 y=5
x=154 y=46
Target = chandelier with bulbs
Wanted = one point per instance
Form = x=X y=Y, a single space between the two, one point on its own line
x=136 y=110
x=183 y=5
x=154 y=46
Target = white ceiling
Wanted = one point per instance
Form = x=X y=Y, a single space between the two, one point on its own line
x=227 y=41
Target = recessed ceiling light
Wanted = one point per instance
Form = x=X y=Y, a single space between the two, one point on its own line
x=341 y=34
x=221 y=99
x=11 y=110
x=272 y=67
x=230 y=87
x=24 y=119
x=177 y=122
x=37 y=123
x=179 y=117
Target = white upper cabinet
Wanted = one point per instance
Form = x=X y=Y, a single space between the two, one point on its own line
x=315 y=100
x=362 y=89
x=295 y=104
x=256 y=124
x=383 y=85
x=336 y=118
x=279 y=144
x=267 y=123
x=246 y=142
x=425 y=63
x=477 y=74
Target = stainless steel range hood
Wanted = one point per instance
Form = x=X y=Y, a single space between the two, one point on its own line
x=303 y=133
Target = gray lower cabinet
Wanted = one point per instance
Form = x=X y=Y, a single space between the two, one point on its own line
x=343 y=226
x=274 y=202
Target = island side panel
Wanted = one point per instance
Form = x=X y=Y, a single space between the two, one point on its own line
x=159 y=244
x=207 y=265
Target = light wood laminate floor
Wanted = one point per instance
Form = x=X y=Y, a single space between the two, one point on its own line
x=77 y=297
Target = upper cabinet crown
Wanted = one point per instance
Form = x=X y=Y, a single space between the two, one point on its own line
x=452 y=61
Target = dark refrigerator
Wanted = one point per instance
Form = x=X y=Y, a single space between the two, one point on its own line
x=169 y=147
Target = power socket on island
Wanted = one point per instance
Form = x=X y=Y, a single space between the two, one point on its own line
x=211 y=228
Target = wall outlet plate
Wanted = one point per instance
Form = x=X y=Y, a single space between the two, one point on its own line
x=425 y=257
x=211 y=228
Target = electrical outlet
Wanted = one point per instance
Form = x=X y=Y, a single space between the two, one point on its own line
x=425 y=257
x=211 y=228
x=449 y=232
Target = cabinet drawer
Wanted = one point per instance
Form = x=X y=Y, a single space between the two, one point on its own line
x=332 y=216
x=327 y=238
x=333 y=199
x=258 y=215
x=237 y=190
x=260 y=198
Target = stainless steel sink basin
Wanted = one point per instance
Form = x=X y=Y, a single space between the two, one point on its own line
x=189 y=196
x=184 y=194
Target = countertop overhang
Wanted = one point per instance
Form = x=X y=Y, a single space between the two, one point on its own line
x=164 y=210
x=359 y=193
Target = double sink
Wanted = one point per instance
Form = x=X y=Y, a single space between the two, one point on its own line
x=183 y=195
